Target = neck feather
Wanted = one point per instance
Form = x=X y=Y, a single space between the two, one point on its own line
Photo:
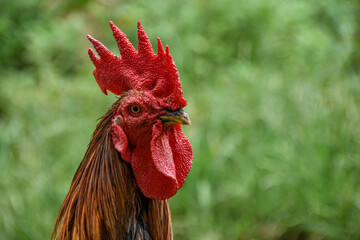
x=104 y=201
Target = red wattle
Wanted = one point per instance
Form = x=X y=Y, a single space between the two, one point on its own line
x=161 y=168
x=184 y=154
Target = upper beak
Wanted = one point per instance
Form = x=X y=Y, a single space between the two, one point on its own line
x=175 y=117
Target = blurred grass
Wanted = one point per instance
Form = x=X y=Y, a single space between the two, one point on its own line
x=273 y=90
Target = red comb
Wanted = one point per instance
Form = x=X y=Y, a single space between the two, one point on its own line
x=142 y=70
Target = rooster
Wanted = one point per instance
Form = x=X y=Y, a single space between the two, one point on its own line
x=138 y=156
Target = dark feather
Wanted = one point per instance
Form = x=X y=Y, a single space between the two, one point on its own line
x=139 y=230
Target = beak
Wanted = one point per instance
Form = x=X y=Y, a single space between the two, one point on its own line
x=176 y=117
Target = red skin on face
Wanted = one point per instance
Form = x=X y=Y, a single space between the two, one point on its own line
x=160 y=156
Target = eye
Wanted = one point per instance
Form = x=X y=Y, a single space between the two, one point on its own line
x=135 y=109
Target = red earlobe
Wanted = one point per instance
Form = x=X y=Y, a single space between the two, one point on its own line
x=120 y=142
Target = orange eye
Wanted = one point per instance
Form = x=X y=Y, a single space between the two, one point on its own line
x=135 y=109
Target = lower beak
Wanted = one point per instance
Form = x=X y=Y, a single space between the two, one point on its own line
x=176 y=117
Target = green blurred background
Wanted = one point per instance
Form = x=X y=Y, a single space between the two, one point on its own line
x=274 y=97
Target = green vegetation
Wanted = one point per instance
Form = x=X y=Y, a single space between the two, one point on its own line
x=274 y=98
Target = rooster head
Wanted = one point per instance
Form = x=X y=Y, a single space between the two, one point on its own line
x=146 y=127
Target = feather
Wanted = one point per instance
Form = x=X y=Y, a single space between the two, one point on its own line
x=104 y=201
x=139 y=230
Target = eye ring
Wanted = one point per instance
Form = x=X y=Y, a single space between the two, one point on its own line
x=135 y=109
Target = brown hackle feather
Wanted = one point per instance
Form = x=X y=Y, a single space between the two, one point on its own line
x=104 y=201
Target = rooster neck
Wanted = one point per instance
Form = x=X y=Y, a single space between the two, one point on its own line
x=104 y=201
